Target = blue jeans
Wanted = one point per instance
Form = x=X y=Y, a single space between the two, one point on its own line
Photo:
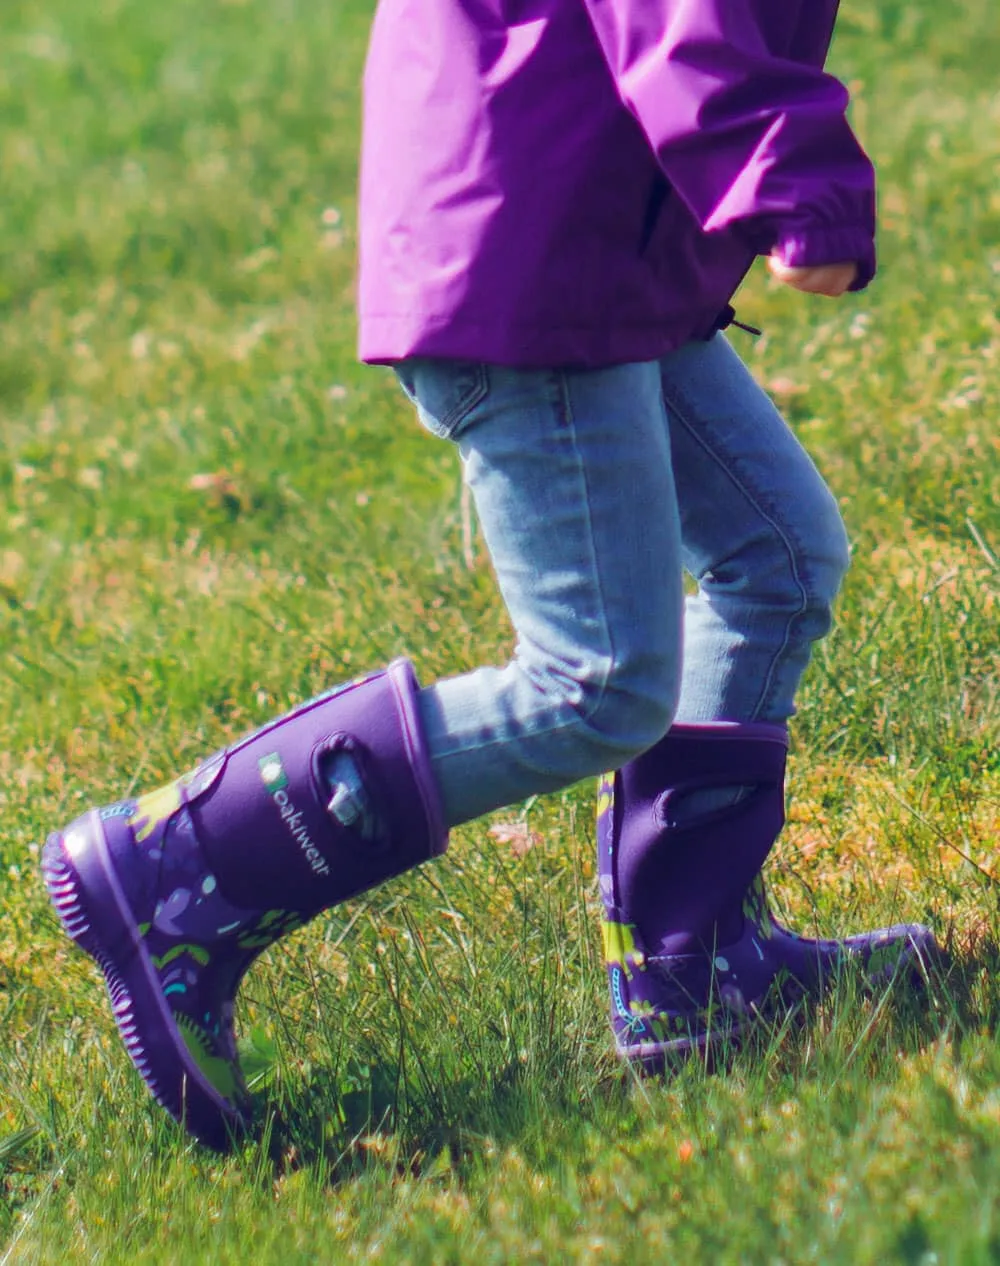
x=595 y=491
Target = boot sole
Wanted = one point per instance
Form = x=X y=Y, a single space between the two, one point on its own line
x=86 y=895
x=655 y=1058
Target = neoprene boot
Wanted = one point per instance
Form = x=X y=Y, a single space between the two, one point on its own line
x=175 y=894
x=692 y=950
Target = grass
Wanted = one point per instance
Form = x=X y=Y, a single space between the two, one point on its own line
x=209 y=512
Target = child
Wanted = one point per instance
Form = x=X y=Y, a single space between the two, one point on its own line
x=558 y=199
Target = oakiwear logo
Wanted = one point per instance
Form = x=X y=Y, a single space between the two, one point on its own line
x=275 y=781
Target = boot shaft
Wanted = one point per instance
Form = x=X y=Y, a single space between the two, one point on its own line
x=257 y=817
x=680 y=877
x=278 y=786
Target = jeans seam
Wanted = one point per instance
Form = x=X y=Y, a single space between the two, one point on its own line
x=679 y=403
x=569 y=423
x=453 y=423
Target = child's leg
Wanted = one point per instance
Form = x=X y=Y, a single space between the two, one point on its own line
x=761 y=533
x=572 y=482
x=684 y=829
x=174 y=894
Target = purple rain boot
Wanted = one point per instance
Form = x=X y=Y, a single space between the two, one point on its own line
x=175 y=894
x=691 y=948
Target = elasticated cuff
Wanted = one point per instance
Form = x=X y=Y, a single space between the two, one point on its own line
x=834 y=245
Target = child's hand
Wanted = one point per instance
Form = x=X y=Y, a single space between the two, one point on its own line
x=824 y=279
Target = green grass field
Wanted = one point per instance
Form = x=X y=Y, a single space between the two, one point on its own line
x=208 y=511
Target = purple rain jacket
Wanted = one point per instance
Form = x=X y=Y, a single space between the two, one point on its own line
x=586 y=182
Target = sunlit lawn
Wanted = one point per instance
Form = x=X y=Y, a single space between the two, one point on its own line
x=209 y=511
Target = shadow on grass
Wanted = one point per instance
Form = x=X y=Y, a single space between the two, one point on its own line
x=426 y=1118
x=365 y=1116
x=970 y=988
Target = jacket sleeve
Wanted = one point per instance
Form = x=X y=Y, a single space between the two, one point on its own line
x=752 y=139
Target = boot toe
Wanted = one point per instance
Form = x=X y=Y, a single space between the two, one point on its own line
x=907 y=951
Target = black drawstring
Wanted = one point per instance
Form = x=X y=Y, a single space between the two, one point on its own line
x=726 y=318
